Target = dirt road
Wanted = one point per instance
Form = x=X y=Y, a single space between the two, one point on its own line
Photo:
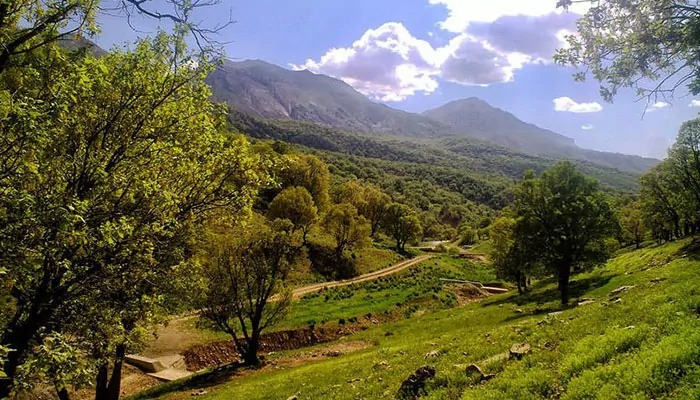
x=299 y=292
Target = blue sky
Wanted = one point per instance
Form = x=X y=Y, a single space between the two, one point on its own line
x=418 y=54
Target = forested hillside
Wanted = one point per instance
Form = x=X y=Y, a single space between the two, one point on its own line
x=472 y=169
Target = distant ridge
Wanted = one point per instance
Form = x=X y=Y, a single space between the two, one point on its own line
x=265 y=90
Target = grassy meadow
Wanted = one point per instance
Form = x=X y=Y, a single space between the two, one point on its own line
x=641 y=343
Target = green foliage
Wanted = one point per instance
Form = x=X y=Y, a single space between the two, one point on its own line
x=563 y=221
x=311 y=173
x=125 y=158
x=243 y=273
x=670 y=192
x=296 y=205
x=630 y=43
x=348 y=229
x=369 y=201
x=402 y=224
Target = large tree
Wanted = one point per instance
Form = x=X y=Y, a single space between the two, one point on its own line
x=402 y=224
x=128 y=157
x=368 y=199
x=567 y=220
x=347 y=228
x=296 y=205
x=243 y=274
x=648 y=45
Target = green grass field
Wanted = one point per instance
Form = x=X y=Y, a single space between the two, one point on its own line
x=646 y=345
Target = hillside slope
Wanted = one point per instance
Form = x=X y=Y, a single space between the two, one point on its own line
x=268 y=91
x=422 y=170
x=264 y=90
x=477 y=119
x=639 y=342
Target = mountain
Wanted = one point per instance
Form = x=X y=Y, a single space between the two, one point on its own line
x=475 y=118
x=478 y=119
x=267 y=91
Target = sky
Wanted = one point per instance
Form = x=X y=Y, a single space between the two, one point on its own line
x=415 y=55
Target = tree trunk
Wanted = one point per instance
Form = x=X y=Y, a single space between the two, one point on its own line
x=564 y=274
x=251 y=354
x=101 y=382
x=115 y=382
x=62 y=392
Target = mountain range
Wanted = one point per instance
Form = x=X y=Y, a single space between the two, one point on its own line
x=267 y=91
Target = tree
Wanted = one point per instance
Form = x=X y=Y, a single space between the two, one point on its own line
x=368 y=199
x=660 y=203
x=567 y=220
x=296 y=205
x=625 y=43
x=347 y=227
x=632 y=223
x=242 y=278
x=28 y=25
x=402 y=224
x=510 y=255
x=311 y=173
x=128 y=159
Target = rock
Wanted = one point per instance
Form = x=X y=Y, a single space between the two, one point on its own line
x=585 y=302
x=414 y=385
x=657 y=280
x=432 y=354
x=474 y=371
x=620 y=290
x=292 y=398
x=554 y=313
x=200 y=392
x=333 y=353
x=517 y=351
x=518 y=311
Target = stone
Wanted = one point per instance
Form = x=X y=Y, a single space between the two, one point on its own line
x=432 y=354
x=518 y=311
x=657 y=280
x=414 y=385
x=620 y=290
x=554 y=313
x=473 y=370
x=585 y=302
x=333 y=353
x=518 y=350
x=292 y=398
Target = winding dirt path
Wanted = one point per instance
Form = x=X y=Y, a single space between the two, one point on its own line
x=299 y=292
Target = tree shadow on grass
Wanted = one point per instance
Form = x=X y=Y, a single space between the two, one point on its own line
x=200 y=380
x=691 y=250
x=543 y=292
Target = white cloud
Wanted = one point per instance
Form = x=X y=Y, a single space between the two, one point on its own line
x=469 y=61
x=386 y=63
x=461 y=13
x=567 y=104
x=587 y=127
x=487 y=44
x=694 y=103
x=658 y=106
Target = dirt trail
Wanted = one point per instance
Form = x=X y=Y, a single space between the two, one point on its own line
x=299 y=292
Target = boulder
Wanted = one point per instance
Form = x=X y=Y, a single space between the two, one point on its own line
x=414 y=385
x=518 y=350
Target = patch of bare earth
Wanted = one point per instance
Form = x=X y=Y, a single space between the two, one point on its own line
x=467 y=293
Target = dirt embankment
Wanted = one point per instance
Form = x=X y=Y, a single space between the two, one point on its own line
x=224 y=352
